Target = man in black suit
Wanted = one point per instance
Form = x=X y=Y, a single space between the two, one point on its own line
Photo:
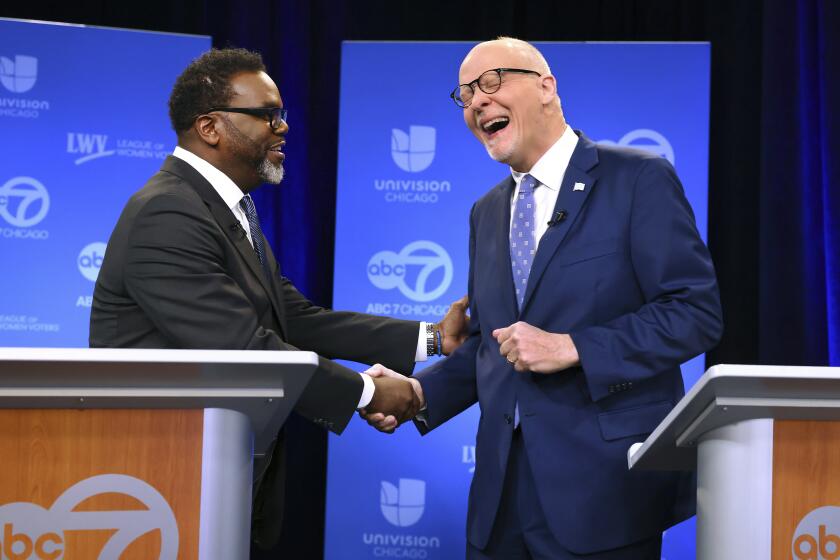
x=187 y=265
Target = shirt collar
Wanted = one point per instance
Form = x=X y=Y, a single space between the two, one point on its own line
x=551 y=167
x=227 y=189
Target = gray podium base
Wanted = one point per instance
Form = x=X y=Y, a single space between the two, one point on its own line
x=226 y=472
x=735 y=491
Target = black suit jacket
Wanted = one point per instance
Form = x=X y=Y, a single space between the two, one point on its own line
x=179 y=272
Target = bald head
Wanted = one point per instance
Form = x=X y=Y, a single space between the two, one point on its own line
x=511 y=100
x=522 y=50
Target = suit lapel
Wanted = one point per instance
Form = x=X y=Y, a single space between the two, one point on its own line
x=227 y=222
x=501 y=216
x=574 y=190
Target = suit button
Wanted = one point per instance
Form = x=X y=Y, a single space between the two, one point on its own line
x=508 y=418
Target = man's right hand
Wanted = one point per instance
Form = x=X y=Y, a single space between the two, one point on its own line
x=383 y=421
x=395 y=397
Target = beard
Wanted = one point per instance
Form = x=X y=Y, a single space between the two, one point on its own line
x=251 y=152
x=269 y=172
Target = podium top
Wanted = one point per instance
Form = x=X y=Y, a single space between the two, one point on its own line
x=147 y=355
x=263 y=385
x=726 y=394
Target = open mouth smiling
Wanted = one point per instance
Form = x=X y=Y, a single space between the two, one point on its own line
x=277 y=151
x=494 y=125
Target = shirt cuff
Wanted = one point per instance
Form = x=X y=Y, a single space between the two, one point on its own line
x=367 y=392
x=423 y=417
x=420 y=354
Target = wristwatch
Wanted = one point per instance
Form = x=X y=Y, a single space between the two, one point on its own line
x=433 y=342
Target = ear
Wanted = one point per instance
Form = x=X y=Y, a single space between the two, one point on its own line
x=548 y=88
x=206 y=128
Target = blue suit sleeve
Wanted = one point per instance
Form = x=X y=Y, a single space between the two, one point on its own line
x=681 y=316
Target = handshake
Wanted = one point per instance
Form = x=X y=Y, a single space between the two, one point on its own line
x=397 y=399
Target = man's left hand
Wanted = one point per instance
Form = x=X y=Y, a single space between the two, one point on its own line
x=454 y=326
x=528 y=348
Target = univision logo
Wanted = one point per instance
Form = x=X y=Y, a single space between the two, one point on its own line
x=415 y=150
x=18 y=76
x=817 y=535
x=403 y=506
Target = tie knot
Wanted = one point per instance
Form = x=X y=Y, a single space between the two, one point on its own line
x=528 y=184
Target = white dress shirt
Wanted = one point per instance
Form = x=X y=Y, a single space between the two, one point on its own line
x=231 y=195
x=549 y=171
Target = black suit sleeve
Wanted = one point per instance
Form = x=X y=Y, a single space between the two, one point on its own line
x=346 y=335
x=177 y=270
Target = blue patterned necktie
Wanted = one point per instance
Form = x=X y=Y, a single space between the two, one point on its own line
x=250 y=210
x=523 y=242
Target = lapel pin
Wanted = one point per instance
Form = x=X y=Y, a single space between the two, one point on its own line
x=579 y=187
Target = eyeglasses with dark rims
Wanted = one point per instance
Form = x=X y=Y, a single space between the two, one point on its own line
x=489 y=82
x=274 y=115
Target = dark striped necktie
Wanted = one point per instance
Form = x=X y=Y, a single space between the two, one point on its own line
x=250 y=210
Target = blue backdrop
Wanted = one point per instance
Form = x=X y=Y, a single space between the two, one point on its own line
x=83 y=115
x=408 y=173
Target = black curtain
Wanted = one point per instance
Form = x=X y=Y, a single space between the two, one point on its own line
x=774 y=205
x=799 y=200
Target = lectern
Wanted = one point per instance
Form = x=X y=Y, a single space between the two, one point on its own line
x=765 y=441
x=136 y=454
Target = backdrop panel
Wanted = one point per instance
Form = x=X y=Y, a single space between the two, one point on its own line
x=83 y=115
x=408 y=173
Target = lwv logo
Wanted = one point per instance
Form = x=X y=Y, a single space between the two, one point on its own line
x=414 y=151
x=88 y=146
x=18 y=76
x=403 y=506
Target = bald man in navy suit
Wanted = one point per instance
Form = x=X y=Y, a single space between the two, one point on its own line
x=589 y=285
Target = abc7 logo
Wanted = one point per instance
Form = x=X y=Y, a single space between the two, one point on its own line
x=90 y=260
x=34 y=201
x=646 y=139
x=388 y=270
x=29 y=531
x=816 y=537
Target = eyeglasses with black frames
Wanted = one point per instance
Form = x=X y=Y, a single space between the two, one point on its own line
x=489 y=82
x=274 y=115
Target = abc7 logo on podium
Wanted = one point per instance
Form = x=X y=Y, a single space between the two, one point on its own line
x=30 y=532
x=817 y=537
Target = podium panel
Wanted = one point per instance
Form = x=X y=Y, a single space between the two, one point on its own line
x=136 y=454
x=806 y=489
x=100 y=483
x=765 y=441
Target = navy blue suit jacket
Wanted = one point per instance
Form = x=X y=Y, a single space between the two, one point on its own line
x=627 y=275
